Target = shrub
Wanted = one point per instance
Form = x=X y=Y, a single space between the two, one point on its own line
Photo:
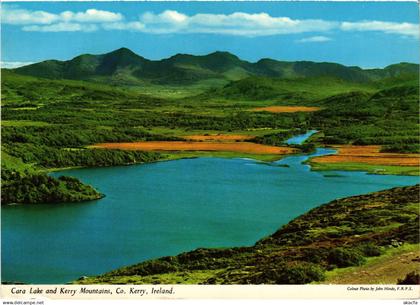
x=157 y=267
x=316 y=256
x=307 y=147
x=298 y=273
x=412 y=278
x=345 y=257
x=370 y=249
x=147 y=268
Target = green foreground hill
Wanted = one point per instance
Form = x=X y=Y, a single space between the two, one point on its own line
x=340 y=234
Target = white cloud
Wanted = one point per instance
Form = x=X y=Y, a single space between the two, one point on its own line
x=130 y=26
x=19 y=16
x=14 y=64
x=61 y=27
x=405 y=28
x=26 y=17
x=91 y=16
x=238 y=23
x=167 y=16
x=314 y=39
x=171 y=21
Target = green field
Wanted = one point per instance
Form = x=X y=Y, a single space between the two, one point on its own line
x=370 y=168
x=221 y=154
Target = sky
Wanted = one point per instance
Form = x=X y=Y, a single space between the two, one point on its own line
x=365 y=34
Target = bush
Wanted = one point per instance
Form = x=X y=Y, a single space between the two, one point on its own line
x=344 y=257
x=158 y=267
x=412 y=278
x=305 y=148
x=147 y=268
x=316 y=256
x=298 y=273
x=370 y=250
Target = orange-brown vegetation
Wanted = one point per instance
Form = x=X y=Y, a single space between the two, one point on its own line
x=368 y=154
x=218 y=137
x=279 y=109
x=243 y=147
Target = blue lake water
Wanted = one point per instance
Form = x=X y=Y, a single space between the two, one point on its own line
x=165 y=208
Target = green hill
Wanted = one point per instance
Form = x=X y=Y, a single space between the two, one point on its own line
x=287 y=90
x=124 y=66
x=388 y=117
x=312 y=69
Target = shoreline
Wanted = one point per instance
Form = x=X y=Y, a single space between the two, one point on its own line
x=192 y=154
x=183 y=155
x=67 y=202
x=381 y=169
x=355 y=163
x=363 y=167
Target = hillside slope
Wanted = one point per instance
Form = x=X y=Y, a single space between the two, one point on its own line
x=342 y=233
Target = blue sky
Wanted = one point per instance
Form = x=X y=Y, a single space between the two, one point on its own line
x=366 y=34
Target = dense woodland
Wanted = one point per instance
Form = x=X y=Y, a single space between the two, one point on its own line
x=49 y=119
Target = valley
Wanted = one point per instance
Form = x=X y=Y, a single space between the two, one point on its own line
x=234 y=131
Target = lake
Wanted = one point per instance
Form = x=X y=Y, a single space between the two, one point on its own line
x=165 y=208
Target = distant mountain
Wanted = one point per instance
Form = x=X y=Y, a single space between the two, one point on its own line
x=124 y=66
x=86 y=66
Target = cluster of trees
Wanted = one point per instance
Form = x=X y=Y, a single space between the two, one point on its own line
x=52 y=157
x=389 y=118
x=31 y=188
x=76 y=136
x=401 y=147
x=276 y=139
x=238 y=120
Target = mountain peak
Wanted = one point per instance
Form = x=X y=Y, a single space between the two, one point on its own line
x=123 y=53
x=123 y=50
x=118 y=59
x=223 y=54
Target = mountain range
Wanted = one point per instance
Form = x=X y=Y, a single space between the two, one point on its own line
x=123 y=66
